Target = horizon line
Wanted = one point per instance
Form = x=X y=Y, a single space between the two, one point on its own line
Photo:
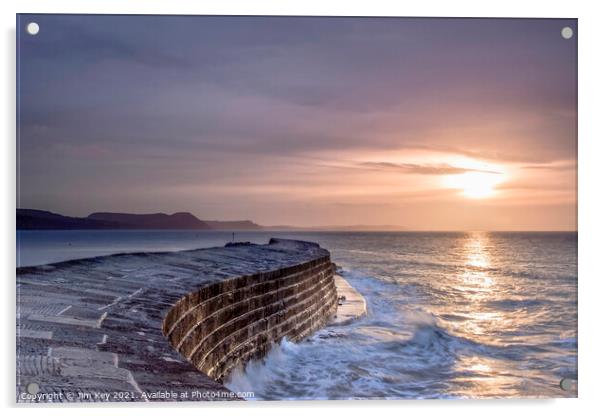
x=315 y=228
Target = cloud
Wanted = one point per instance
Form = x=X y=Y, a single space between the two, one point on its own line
x=229 y=84
x=571 y=165
x=110 y=104
x=413 y=168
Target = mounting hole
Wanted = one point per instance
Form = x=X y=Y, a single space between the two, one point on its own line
x=566 y=32
x=567 y=384
x=33 y=28
x=33 y=388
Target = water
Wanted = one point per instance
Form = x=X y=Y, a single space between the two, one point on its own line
x=449 y=314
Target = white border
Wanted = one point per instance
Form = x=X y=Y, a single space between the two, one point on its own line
x=590 y=207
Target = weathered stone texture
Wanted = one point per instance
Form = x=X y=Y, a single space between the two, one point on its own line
x=134 y=323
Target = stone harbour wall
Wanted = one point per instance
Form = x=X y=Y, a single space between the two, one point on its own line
x=163 y=326
x=227 y=323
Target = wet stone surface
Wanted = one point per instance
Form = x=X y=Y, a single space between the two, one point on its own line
x=91 y=329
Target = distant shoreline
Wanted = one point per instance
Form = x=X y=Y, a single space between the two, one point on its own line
x=32 y=219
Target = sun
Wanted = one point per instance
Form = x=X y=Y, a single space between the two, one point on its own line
x=475 y=184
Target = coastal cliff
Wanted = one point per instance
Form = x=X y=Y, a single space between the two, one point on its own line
x=34 y=219
x=164 y=326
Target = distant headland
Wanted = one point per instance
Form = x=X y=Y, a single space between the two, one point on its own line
x=35 y=219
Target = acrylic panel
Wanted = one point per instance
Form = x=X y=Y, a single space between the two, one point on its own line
x=310 y=208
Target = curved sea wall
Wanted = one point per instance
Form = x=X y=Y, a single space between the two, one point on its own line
x=221 y=325
x=164 y=326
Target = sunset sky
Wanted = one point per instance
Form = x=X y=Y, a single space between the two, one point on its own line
x=429 y=124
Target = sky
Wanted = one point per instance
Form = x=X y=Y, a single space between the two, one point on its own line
x=426 y=124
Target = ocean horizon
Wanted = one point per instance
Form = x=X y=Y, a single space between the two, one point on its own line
x=43 y=247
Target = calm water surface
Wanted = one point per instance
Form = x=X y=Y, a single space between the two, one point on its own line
x=449 y=314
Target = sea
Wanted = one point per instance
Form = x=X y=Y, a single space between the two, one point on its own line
x=449 y=314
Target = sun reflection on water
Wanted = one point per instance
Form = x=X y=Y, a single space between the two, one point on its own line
x=476 y=286
x=473 y=292
x=475 y=279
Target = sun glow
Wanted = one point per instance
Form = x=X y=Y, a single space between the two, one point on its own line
x=475 y=184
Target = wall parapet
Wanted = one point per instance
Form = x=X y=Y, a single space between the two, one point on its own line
x=148 y=322
x=227 y=323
